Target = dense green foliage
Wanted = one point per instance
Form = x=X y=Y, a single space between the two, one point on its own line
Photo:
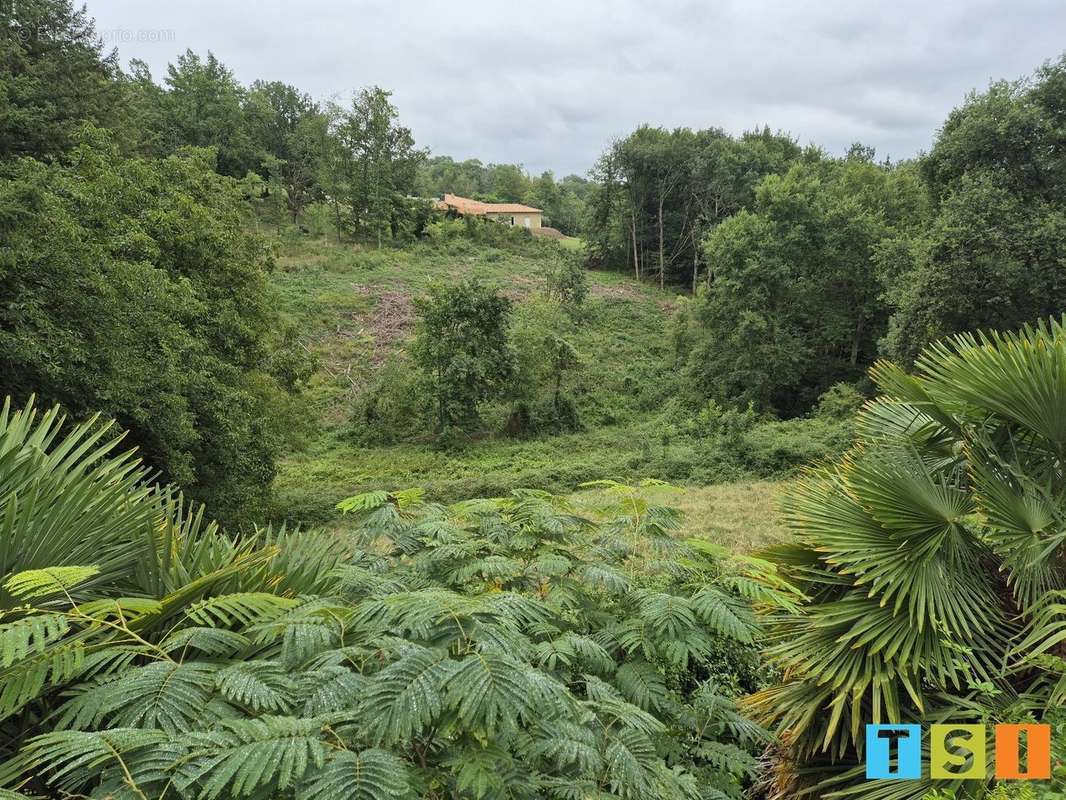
x=470 y=348
x=130 y=288
x=931 y=558
x=811 y=267
x=203 y=106
x=490 y=649
x=991 y=254
x=462 y=347
x=369 y=169
x=292 y=135
x=792 y=305
x=54 y=77
x=658 y=193
x=565 y=282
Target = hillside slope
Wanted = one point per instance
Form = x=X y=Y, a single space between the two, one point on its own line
x=353 y=308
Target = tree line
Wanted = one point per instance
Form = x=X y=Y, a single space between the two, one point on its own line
x=658 y=193
x=804 y=269
x=355 y=157
x=291 y=150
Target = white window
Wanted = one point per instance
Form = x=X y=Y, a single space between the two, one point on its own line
x=527 y=222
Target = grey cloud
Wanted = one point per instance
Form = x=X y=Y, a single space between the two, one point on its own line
x=549 y=85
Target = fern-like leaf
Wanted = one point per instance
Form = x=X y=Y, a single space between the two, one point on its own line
x=70 y=760
x=369 y=775
x=163 y=695
x=725 y=614
x=407 y=695
x=643 y=685
x=244 y=608
x=248 y=755
x=209 y=641
x=630 y=759
x=258 y=685
x=568 y=744
x=37 y=583
x=28 y=635
x=329 y=689
x=491 y=691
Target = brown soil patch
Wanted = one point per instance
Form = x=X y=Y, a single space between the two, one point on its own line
x=380 y=330
x=521 y=287
x=388 y=323
x=618 y=291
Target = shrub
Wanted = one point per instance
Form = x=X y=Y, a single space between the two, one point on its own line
x=318 y=219
x=444 y=229
x=565 y=281
x=548 y=365
x=728 y=425
x=781 y=447
x=839 y=401
x=392 y=408
x=493 y=648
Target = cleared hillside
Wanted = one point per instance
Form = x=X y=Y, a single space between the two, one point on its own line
x=353 y=308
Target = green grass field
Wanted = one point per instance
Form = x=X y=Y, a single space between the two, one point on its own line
x=572 y=243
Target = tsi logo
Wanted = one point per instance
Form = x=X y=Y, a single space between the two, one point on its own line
x=957 y=752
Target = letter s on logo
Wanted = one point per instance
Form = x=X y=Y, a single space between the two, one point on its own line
x=957 y=752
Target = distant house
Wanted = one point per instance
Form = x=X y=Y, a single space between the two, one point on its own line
x=507 y=213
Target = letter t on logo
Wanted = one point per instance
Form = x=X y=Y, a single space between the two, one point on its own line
x=894 y=752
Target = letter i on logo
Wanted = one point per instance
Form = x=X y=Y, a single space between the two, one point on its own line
x=894 y=752
x=1038 y=752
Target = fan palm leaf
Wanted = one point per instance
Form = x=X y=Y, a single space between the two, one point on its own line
x=931 y=558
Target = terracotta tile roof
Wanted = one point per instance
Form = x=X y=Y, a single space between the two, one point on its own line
x=510 y=208
x=464 y=205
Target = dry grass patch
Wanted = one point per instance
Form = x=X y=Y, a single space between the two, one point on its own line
x=741 y=516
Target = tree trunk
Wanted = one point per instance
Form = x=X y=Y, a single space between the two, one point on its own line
x=443 y=416
x=636 y=255
x=855 y=341
x=695 y=265
x=296 y=206
x=662 y=263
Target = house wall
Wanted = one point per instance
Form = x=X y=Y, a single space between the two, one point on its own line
x=519 y=218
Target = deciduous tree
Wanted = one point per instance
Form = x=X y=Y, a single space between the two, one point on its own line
x=463 y=350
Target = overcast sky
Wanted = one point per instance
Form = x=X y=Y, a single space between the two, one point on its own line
x=548 y=83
